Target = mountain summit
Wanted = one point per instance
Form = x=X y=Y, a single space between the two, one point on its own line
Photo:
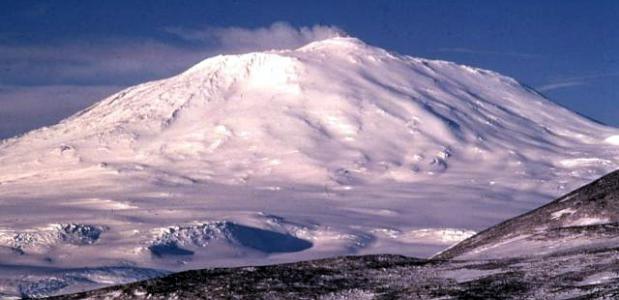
x=335 y=148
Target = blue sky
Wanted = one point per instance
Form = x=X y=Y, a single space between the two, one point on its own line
x=57 y=57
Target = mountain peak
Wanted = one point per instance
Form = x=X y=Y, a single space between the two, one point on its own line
x=336 y=42
x=333 y=47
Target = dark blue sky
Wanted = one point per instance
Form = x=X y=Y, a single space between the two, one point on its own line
x=57 y=57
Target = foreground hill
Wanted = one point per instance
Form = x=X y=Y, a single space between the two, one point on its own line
x=576 y=276
x=588 y=271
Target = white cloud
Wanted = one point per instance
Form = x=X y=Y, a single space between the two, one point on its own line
x=559 y=85
x=113 y=60
x=279 y=35
x=574 y=81
x=488 y=52
x=41 y=84
x=120 y=60
x=26 y=108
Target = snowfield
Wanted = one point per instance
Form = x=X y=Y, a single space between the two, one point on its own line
x=536 y=255
x=334 y=148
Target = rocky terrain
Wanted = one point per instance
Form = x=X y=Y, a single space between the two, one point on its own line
x=577 y=259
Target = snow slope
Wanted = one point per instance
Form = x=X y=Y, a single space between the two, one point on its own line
x=334 y=148
x=558 y=251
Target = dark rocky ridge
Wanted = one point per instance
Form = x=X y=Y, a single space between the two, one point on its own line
x=589 y=271
x=575 y=276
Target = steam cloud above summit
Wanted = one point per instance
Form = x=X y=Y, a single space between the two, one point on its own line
x=279 y=35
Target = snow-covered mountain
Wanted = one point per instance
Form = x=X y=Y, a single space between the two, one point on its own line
x=336 y=112
x=334 y=148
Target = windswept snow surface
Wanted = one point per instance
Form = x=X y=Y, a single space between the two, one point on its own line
x=333 y=148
